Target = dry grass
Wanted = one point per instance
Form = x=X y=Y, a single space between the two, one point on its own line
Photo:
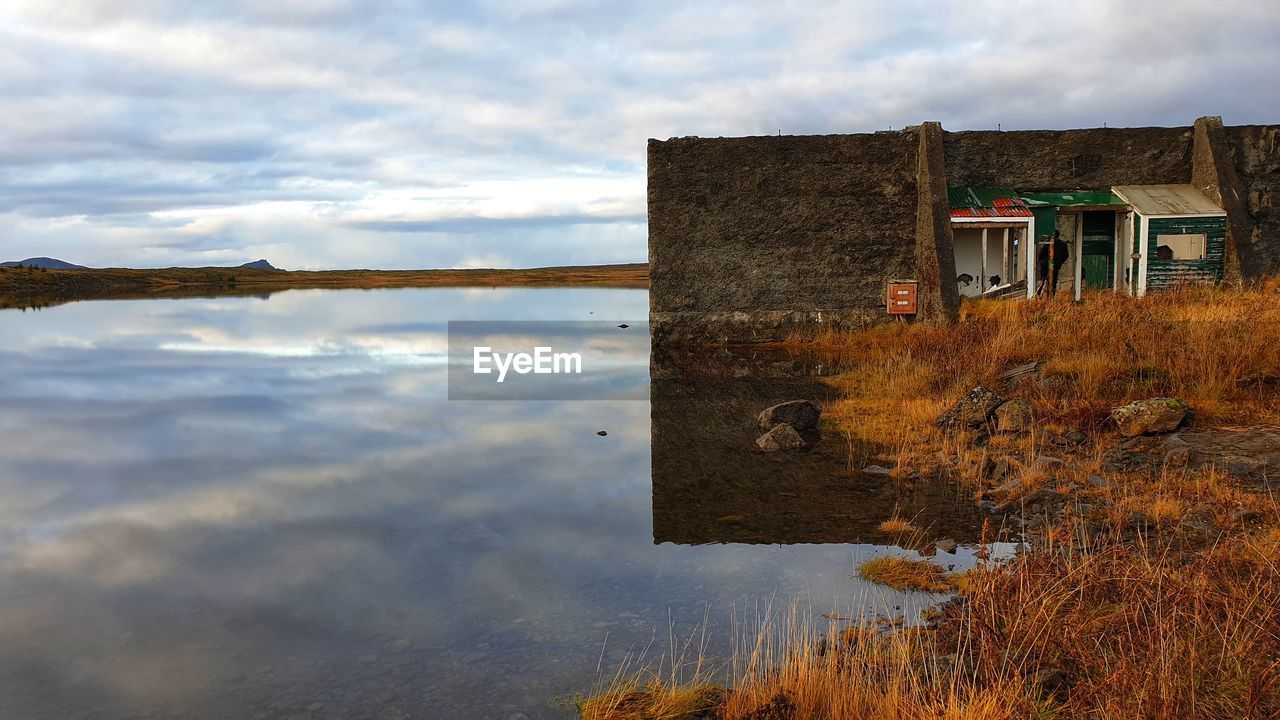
x=897 y=526
x=1153 y=595
x=1213 y=348
x=902 y=573
x=1116 y=632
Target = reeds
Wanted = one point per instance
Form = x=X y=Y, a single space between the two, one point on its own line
x=1144 y=630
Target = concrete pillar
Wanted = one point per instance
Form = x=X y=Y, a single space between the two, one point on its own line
x=1213 y=172
x=935 y=247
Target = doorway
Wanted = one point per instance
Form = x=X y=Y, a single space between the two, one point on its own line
x=1098 y=249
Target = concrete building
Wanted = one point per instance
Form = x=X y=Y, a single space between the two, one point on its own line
x=752 y=238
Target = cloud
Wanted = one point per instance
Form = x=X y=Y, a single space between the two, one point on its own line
x=421 y=136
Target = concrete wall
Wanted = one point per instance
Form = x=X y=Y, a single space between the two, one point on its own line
x=1256 y=152
x=784 y=228
x=750 y=238
x=1054 y=160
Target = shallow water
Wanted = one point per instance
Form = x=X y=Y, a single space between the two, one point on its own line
x=268 y=508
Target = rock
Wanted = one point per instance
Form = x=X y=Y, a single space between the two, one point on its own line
x=1177 y=457
x=1251 y=453
x=781 y=437
x=799 y=414
x=1146 y=417
x=1008 y=487
x=1100 y=482
x=945 y=545
x=1044 y=462
x=1075 y=437
x=877 y=471
x=999 y=468
x=1014 y=416
x=1041 y=496
x=972 y=410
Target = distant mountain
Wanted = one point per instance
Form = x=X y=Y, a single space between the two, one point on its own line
x=46 y=263
x=259 y=265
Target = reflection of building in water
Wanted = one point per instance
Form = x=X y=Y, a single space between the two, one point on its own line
x=711 y=484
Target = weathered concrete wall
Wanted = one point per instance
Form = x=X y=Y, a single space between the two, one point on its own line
x=1256 y=150
x=939 y=299
x=788 y=229
x=1054 y=160
x=751 y=237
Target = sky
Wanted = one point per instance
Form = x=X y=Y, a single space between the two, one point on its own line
x=338 y=134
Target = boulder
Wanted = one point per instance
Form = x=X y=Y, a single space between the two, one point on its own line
x=1147 y=417
x=799 y=414
x=972 y=410
x=1014 y=416
x=781 y=437
x=1248 y=453
x=877 y=471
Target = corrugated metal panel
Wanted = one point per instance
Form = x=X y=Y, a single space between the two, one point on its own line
x=1079 y=198
x=1156 y=200
x=968 y=202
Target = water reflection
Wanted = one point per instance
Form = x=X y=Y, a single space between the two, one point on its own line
x=711 y=485
x=237 y=507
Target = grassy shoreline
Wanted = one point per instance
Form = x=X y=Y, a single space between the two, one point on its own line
x=25 y=287
x=1147 y=591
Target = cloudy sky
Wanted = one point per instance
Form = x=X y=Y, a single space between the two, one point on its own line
x=336 y=133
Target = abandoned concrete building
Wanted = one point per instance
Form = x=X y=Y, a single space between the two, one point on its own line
x=750 y=238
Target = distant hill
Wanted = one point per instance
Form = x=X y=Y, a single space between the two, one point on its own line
x=259 y=265
x=44 y=262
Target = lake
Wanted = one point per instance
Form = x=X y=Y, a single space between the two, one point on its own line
x=269 y=508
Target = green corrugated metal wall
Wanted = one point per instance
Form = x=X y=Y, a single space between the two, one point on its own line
x=1167 y=273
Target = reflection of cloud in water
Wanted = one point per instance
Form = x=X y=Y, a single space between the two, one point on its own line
x=177 y=522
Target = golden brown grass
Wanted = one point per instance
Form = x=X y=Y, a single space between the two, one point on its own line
x=1213 y=348
x=902 y=573
x=1145 y=630
x=898 y=526
x=1155 y=594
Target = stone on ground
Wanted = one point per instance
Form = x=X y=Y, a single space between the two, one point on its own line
x=1014 y=416
x=1150 y=416
x=781 y=437
x=799 y=414
x=972 y=410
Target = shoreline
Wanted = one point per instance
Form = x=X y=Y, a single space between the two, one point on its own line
x=1151 y=562
x=36 y=288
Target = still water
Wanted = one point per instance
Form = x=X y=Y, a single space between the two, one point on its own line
x=268 y=508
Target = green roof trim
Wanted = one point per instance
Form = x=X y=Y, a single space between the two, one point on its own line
x=1083 y=198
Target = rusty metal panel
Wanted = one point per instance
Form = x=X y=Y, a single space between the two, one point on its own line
x=902 y=297
x=969 y=202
